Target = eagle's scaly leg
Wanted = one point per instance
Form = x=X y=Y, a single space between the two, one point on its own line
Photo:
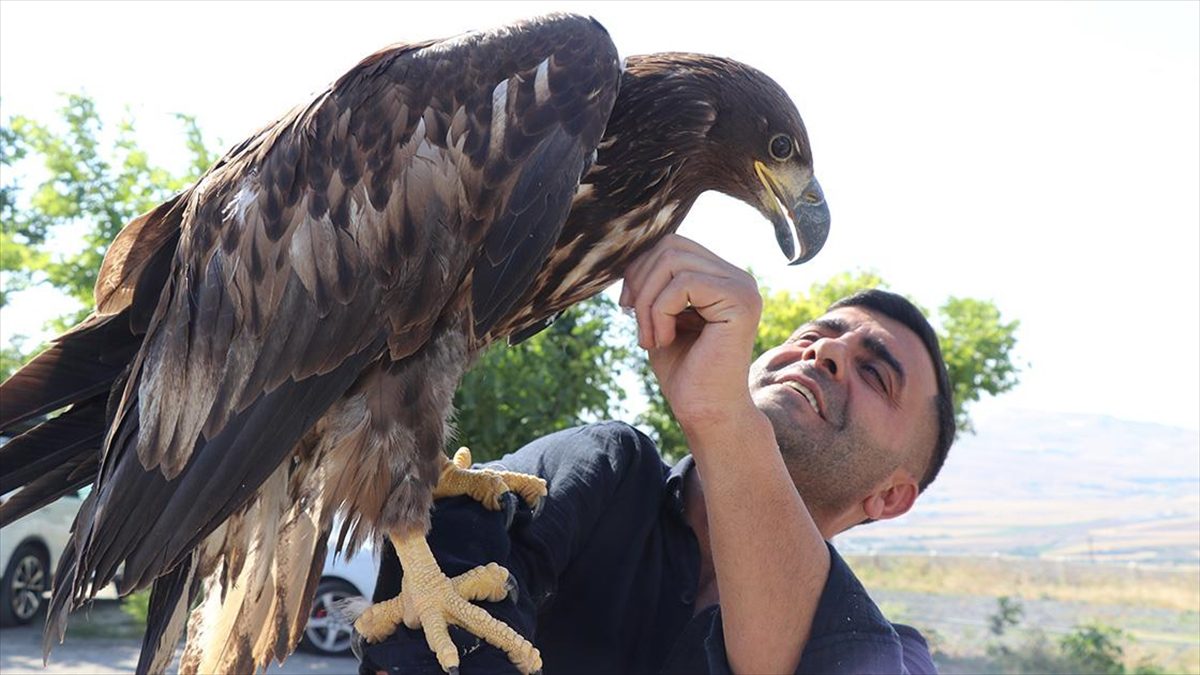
x=430 y=600
x=485 y=486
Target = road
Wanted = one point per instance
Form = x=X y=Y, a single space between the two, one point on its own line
x=21 y=652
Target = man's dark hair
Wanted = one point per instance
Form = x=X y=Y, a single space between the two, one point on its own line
x=899 y=309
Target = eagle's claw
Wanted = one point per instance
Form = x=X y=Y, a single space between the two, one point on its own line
x=487 y=486
x=431 y=601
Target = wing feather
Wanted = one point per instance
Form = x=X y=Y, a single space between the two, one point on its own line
x=170 y=598
x=132 y=251
x=78 y=365
x=76 y=433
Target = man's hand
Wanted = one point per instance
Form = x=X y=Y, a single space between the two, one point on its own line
x=697 y=316
x=769 y=580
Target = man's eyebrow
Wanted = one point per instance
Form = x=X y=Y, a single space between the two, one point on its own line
x=828 y=323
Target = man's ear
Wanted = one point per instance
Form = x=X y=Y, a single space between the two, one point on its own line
x=893 y=498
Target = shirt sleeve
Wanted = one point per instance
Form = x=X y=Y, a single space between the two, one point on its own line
x=849 y=635
x=606 y=471
x=917 y=659
x=583 y=468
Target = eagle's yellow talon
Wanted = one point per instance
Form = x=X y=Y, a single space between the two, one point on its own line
x=531 y=488
x=489 y=582
x=462 y=458
x=485 y=485
x=380 y=620
x=431 y=601
x=437 y=634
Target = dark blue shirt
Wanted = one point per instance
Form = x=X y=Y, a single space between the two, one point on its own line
x=607 y=575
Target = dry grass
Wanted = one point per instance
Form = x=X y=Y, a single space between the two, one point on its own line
x=951 y=599
x=1134 y=585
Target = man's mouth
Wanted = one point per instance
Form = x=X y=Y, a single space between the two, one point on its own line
x=807 y=394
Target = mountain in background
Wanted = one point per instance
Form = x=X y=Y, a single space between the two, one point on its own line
x=1057 y=486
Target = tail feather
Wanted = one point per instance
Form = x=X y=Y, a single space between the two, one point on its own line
x=170 y=598
x=252 y=612
x=256 y=611
x=62 y=597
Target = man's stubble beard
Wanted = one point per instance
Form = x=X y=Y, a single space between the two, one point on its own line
x=833 y=467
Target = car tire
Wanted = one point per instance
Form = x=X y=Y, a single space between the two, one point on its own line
x=25 y=579
x=327 y=632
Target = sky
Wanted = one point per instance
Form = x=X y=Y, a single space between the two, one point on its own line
x=1044 y=156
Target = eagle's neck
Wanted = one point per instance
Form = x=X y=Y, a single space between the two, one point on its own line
x=653 y=161
x=648 y=170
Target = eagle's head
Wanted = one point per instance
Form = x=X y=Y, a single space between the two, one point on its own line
x=739 y=133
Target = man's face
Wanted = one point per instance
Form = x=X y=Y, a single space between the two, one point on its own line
x=850 y=398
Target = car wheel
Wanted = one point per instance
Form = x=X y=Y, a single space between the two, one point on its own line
x=328 y=632
x=25 y=580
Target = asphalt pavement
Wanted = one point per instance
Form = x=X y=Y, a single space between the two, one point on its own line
x=21 y=653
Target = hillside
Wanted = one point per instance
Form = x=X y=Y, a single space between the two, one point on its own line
x=1056 y=486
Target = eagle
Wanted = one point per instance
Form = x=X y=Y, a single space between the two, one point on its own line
x=274 y=350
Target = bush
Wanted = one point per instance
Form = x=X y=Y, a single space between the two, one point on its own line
x=1094 y=648
x=137 y=606
x=1008 y=614
x=1089 y=649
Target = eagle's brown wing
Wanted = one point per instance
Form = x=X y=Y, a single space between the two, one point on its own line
x=62 y=453
x=337 y=233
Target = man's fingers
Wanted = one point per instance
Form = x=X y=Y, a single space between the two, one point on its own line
x=701 y=298
x=672 y=300
x=637 y=271
x=704 y=274
x=670 y=265
x=689 y=321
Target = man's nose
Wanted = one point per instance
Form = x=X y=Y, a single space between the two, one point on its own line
x=828 y=353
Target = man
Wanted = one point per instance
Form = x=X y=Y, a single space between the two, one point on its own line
x=719 y=564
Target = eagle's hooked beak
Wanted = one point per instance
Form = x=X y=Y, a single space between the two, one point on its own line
x=797 y=209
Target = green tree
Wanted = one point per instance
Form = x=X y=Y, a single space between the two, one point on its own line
x=561 y=377
x=1094 y=648
x=1090 y=648
x=976 y=343
x=91 y=180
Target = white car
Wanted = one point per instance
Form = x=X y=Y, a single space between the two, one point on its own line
x=327 y=631
x=29 y=551
x=30 y=548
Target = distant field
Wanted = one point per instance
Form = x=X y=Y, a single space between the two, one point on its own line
x=1049 y=486
x=1140 y=528
x=951 y=598
x=1080 y=518
x=1134 y=585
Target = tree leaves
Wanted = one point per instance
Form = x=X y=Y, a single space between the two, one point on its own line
x=977 y=345
x=561 y=377
x=89 y=181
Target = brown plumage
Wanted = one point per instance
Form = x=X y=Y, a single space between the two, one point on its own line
x=280 y=342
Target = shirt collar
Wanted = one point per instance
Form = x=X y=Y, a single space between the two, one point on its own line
x=675 y=482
